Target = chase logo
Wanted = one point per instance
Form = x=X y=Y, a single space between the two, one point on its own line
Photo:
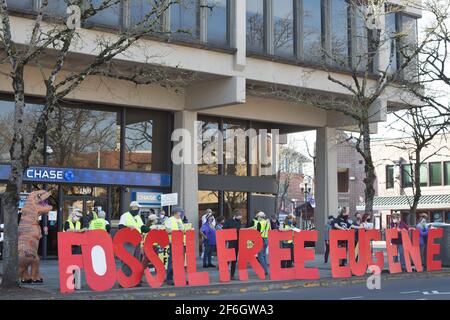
x=68 y=175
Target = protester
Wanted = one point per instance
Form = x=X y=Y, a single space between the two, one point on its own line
x=162 y=217
x=234 y=223
x=367 y=221
x=208 y=213
x=174 y=223
x=423 y=228
x=263 y=226
x=328 y=227
x=220 y=222
x=183 y=217
x=342 y=223
x=152 y=224
x=398 y=224
x=274 y=223
x=208 y=233
x=75 y=223
x=100 y=223
x=132 y=219
x=287 y=226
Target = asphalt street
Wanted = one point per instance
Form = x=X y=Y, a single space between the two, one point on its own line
x=402 y=289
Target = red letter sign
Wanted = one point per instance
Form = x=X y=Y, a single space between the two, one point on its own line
x=195 y=278
x=338 y=253
x=301 y=254
x=372 y=235
x=131 y=237
x=412 y=250
x=277 y=254
x=161 y=238
x=392 y=251
x=248 y=255
x=224 y=254
x=68 y=261
x=433 y=249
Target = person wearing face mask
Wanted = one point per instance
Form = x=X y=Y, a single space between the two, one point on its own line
x=174 y=223
x=234 y=223
x=132 y=219
x=263 y=227
x=342 y=223
x=287 y=226
x=75 y=224
x=423 y=228
x=398 y=224
x=162 y=217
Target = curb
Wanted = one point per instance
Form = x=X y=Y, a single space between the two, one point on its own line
x=146 y=293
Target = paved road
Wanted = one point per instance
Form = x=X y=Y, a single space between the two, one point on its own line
x=404 y=289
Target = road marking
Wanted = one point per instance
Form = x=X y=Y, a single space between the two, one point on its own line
x=435 y=292
x=350 y=298
x=407 y=292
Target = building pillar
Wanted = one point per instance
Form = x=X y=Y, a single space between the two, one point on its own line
x=185 y=174
x=326 y=191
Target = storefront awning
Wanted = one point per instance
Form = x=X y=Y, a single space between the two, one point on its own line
x=426 y=202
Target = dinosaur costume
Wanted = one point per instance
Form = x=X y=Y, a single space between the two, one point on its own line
x=30 y=234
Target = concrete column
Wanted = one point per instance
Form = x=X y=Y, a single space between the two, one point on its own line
x=326 y=194
x=185 y=175
x=238 y=40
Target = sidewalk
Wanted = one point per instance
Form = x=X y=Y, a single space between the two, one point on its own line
x=50 y=288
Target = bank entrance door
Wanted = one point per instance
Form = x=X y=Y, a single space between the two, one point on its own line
x=85 y=204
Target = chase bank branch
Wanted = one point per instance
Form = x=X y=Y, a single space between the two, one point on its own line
x=109 y=142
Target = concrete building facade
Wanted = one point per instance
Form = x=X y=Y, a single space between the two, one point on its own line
x=232 y=49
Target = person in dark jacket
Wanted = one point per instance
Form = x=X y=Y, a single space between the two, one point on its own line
x=398 y=224
x=274 y=223
x=328 y=227
x=234 y=223
x=423 y=228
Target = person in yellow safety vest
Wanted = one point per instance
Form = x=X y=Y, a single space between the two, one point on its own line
x=152 y=224
x=75 y=224
x=100 y=223
x=174 y=223
x=132 y=219
x=263 y=226
x=287 y=226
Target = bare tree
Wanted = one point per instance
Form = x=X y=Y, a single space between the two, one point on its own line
x=419 y=127
x=51 y=37
x=369 y=80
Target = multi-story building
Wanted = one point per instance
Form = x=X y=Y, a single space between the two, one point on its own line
x=395 y=179
x=234 y=47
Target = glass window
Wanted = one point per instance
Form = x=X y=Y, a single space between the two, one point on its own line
x=424 y=175
x=235 y=147
x=255 y=25
x=31 y=116
x=84 y=138
x=209 y=137
x=389 y=177
x=139 y=11
x=261 y=151
x=339 y=32
x=21 y=4
x=233 y=201
x=207 y=200
x=184 y=19
x=57 y=8
x=435 y=174
x=361 y=43
x=146 y=140
x=109 y=17
x=343 y=185
x=447 y=173
x=409 y=44
x=447 y=217
x=283 y=24
x=407 y=174
x=312 y=29
x=391 y=38
x=218 y=22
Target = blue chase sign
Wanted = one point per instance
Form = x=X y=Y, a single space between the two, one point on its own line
x=91 y=176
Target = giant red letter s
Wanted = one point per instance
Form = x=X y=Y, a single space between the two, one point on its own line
x=133 y=238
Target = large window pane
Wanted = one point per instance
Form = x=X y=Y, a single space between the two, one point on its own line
x=409 y=44
x=255 y=25
x=209 y=137
x=21 y=4
x=312 y=29
x=184 y=19
x=84 y=138
x=339 y=33
x=435 y=174
x=391 y=33
x=424 y=175
x=361 y=51
x=235 y=146
x=57 y=8
x=31 y=115
x=233 y=201
x=146 y=140
x=407 y=174
x=389 y=177
x=447 y=173
x=141 y=10
x=218 y=22
x=109 y=17
x=283 y=22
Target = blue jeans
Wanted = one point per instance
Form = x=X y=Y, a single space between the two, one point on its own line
x=401 y=253
x=209 y=248
x=262 y=258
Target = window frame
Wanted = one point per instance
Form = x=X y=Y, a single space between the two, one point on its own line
x=388 y=184
x=411 y=175
x=446 y=173
x=431 y=184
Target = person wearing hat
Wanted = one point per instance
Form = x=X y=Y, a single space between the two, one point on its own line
x=75 y=224
x=423 y=228
x=100 y=223
x=263 y=227
x=174 y=223
x=152 y=224
x=397 y=223
x=132 y=219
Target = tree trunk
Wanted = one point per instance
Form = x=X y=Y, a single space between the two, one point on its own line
x=369 y=169
x=418 y=190
x=10 y=198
